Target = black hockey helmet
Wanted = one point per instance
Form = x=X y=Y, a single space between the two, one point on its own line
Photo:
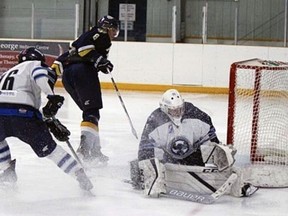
x=31 y=54
x=108 y=22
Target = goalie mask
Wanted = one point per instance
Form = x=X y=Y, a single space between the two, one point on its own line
x=173 y=105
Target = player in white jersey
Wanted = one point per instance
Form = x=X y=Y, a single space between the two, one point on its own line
x=177 y=143
x=20 y=101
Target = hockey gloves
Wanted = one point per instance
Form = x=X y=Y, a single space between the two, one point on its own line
x=103 y=65
x=59 y=131
x=52 y=106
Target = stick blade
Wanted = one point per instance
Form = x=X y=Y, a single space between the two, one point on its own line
x=134 y=133
x=189 y=196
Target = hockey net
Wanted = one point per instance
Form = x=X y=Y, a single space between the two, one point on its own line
x=258 y=120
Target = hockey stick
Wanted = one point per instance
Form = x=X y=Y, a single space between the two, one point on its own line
x=123 y=105
x=69 y=144
x=201 y=198
x=74 y=153
x=194 y=197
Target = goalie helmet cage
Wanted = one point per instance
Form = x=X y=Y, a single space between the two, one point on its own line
x=258 y=120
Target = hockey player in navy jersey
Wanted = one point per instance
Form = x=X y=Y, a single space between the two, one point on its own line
x=79 y=67
x=177 y=143
x=20 y=116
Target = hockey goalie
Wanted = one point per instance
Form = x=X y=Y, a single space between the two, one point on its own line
x=180 y=156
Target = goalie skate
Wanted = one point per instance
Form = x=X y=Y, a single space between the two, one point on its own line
x=248 y=190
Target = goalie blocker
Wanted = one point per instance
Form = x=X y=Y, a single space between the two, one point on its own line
x=193 y=183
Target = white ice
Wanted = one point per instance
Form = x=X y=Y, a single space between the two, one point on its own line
x=43 y=189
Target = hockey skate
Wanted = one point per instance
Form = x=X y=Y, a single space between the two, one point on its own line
x=91 y=153
x=248 y=190
x=84 y=153
x=96 y=154
x=9 y=176
x=92 y=156
x=84 y=182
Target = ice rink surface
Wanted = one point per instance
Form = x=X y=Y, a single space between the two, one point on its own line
x=43 y=189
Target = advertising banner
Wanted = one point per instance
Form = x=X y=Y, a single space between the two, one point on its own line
x=9 y=51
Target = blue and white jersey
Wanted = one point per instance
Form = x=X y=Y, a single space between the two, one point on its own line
x=163 y=139
x=23 y=83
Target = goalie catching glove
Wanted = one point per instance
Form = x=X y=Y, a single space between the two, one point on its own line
x=54 y=103
x=224 y=156
x=59 y=131
x=219 y=154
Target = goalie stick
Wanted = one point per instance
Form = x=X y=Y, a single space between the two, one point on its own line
x=194 y=197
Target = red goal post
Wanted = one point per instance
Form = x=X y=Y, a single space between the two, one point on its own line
x=258 y=120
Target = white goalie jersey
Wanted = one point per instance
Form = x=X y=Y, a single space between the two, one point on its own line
x=23 y=83
x=179 y=144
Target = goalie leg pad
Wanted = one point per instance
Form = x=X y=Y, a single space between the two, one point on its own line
x=196 y=179
x=206 y=180
x=135 y=175
x=154 y=177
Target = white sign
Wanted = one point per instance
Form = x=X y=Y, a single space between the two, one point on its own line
x=129 y=25
x=127 y=12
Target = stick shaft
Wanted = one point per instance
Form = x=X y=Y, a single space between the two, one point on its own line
x=70 y=147
x=123 y=105
x=74 y=153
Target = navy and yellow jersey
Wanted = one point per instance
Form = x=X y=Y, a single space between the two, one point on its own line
x=87 y=48
x=93 y=43
x=168 y=142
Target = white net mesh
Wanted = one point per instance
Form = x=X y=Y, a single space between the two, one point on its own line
x=258 y=115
